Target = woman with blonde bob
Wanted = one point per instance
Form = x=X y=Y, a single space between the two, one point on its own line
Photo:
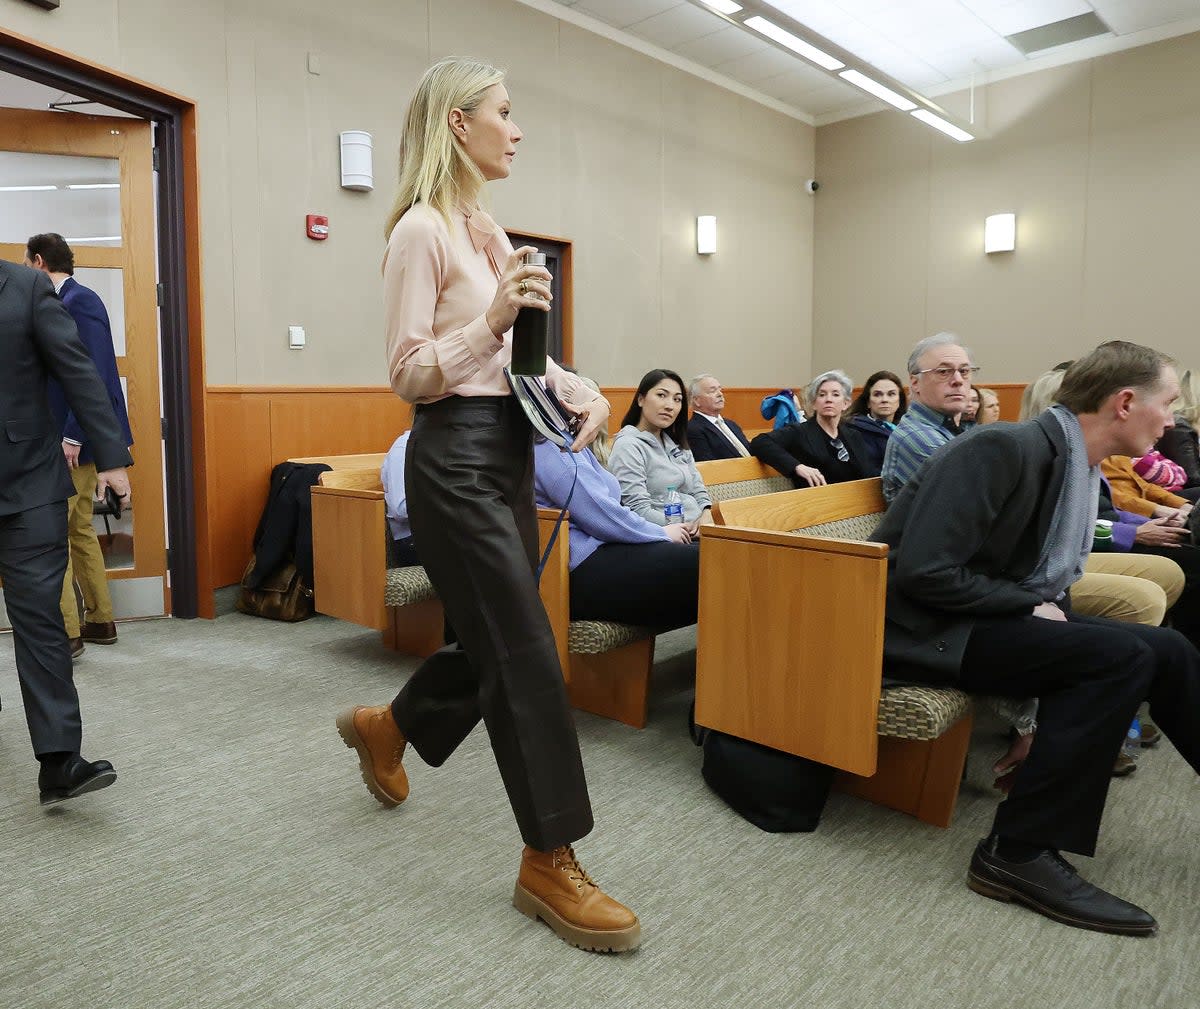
x=453 y=286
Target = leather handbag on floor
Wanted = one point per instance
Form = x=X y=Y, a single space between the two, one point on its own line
x=282 y=595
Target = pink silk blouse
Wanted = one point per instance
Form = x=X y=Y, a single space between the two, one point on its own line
x=437 y=288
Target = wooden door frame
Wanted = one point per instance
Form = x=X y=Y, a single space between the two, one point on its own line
x=180 y=312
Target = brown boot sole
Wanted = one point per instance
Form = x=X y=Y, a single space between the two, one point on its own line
x=350 y=736
x=101 y=641
x=594 y=940
x=1006 y=895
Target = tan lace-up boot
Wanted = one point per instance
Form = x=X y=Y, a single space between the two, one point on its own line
x=380 y=745
x=553 y=886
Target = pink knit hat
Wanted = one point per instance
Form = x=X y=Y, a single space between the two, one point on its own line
x=1158 y=469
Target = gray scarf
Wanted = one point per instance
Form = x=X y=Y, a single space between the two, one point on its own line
x=1069 y=538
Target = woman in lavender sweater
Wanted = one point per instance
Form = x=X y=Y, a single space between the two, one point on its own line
x=623 y=567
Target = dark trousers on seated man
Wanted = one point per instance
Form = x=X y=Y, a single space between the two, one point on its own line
x=1090 y=675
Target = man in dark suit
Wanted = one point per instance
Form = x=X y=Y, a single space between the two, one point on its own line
x=711 y=436
x=38 y=340
x=85 y=563
x=985 y=541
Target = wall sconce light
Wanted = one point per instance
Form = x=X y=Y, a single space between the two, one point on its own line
x=357 y=173
x=1000 y=233
x=706 y=235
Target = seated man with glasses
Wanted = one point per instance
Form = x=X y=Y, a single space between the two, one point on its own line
x=940 y=373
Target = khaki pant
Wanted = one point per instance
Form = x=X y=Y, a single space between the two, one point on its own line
x=85 y=564
x=1134 y=588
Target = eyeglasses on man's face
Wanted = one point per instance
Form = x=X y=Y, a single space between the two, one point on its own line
x=943 y=373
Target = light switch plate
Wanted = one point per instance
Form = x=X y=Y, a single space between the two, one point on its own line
x=296 y=337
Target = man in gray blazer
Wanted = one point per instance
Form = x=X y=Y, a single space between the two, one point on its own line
x=38 y=339
x=985 y=542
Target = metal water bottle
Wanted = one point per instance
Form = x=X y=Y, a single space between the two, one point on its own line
x=530 y=331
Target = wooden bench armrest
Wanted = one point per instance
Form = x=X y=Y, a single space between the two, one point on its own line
x=349 y=554
x=808 y=506
x=790 y=643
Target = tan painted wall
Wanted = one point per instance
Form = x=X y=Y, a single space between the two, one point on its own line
x=621 y=153
x=1100 y=161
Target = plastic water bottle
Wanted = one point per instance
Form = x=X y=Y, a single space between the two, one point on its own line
x=673 y=508
x=1133 y=740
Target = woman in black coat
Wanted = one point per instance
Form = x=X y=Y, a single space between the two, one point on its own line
x=822 y=450
x=876 y=411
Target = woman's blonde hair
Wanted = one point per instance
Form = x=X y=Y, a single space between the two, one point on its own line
x=1188 y=403
x=433 y=168
x=1039 y=395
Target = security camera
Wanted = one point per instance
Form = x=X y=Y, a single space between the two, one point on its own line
x=811 y=186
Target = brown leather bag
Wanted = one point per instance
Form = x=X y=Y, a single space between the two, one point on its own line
x=281 y=596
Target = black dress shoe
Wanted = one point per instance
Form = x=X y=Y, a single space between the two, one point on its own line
x=1050 y=885
x=73 y=776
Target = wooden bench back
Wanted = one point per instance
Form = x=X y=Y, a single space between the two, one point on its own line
x=364 y=460
x=352 y=479
x=840 y=510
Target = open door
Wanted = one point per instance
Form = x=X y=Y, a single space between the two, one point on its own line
x=91 y=179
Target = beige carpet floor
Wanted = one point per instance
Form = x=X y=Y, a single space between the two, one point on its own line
x=239 y=862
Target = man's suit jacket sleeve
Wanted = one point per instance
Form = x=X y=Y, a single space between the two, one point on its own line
x=700 y=432
x=65 y=357
x=92 y=323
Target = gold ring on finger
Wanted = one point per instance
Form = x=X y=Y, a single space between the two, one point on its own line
x=524 y=287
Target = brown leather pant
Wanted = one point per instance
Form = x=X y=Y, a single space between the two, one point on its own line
x=469 y=482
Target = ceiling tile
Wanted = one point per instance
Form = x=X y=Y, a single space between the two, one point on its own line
x=623 y=13
x=1007 y=17
x=770 y=62
x=725 y=44
x=1125 y=17
x=979 y=58
x=683 y=23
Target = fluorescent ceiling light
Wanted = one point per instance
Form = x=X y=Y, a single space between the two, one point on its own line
x=878 y=90
x=97 y=185
x=795 y=44
x=722 y=6
x=938 y=123
x=26 y=189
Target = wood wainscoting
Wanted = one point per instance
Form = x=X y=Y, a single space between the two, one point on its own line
x=249 y=429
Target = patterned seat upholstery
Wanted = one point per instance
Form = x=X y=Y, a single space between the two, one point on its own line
x=856 y=527
x=913 y=712
x=749 y=488
x=406 y=586
x=594 y=637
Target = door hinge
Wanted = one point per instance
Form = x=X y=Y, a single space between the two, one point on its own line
x=154 y=157
x=160 y=294
x=162 y=422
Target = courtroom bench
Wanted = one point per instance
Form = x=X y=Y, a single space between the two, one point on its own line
x=789 y=649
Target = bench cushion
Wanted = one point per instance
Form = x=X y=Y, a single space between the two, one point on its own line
x=594 y=637
x=749 y=488
x=856 y=527
x=405 y=586
x=920 y=712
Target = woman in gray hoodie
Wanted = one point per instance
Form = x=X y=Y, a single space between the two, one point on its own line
x=650 y=454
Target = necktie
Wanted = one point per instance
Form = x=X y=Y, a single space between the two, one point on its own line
x=733 y=438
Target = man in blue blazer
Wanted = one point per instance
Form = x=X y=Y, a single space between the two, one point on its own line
x=38 y=340
x=711 y=436
x=85 y=564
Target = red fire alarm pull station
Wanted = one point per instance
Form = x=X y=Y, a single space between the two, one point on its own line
x=317 y=227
